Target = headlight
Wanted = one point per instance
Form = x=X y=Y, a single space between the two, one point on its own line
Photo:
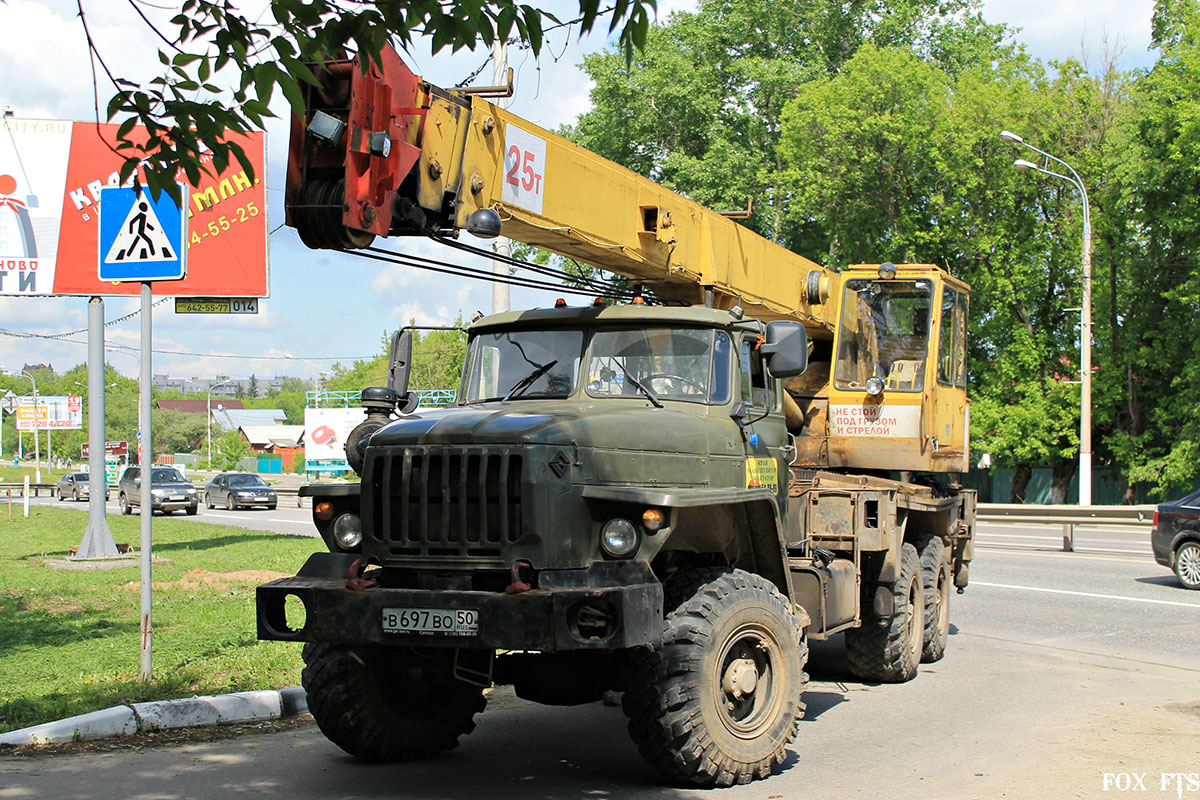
x=245 y=494
x=874 y=386
x=347 y=531
x=158 y=492
x=619 y=538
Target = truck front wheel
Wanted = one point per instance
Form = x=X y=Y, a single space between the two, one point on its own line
x=718 y=701
x=388 y=703
x=889 y=650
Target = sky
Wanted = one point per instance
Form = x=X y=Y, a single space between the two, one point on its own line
x=327 y=307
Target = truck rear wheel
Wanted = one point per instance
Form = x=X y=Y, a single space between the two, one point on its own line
x=718 y=702
x=890 y=650
x=388 y=703
x=935 y=573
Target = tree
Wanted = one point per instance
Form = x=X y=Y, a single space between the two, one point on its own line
x=252 y=391
x=230 y=449
x=1154 y=268
x=214 y=41
x=178 y=431
x=700 y=108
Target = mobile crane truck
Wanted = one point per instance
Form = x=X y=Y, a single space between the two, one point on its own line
x=668 y=501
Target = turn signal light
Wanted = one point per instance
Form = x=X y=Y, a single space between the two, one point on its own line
x=323 y=510
x=652 y=519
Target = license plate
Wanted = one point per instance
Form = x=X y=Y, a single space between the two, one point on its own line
x=452 y=621
x=178 y=497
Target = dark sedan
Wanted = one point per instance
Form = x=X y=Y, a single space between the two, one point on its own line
x=75 y=486
x=1175 y=538
x=238 y=490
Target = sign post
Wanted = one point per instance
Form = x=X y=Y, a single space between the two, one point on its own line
x=97 y=539
x=143 y=239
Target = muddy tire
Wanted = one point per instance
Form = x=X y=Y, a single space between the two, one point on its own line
x=889 y=651
x=936 y=577
x=683 y=585
x=718 y=702
x=388 y=703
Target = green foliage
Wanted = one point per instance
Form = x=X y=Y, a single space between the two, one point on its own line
x=231 y=448
x=178 y=431
x=282 y=50
x=700 y=109
x=437 y=363
x=69 y=643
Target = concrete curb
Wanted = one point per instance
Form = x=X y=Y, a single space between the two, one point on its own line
x=193 y=712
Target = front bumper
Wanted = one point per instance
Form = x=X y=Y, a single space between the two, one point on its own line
x=546 y=619
x=172 y=505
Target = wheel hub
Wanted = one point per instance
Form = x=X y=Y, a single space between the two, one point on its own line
x=741 y=678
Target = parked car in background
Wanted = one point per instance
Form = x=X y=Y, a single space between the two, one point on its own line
x=238 y=490
x=75 y=486
x=169 y=491
x=1175 y=538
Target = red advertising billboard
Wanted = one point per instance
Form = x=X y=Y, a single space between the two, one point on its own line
x=51 y=174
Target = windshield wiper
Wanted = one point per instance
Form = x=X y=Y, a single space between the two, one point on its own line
x=528 y=380
x=645 y=390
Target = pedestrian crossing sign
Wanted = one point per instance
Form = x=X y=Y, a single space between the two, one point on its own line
x=142 y=238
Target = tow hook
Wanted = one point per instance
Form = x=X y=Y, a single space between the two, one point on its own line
x=355 y=582
x=518 y=586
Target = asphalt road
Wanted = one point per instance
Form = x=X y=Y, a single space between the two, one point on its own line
x=285 y=518
x=1062 y=668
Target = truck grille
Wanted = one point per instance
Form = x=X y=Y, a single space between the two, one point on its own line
x=443 y=503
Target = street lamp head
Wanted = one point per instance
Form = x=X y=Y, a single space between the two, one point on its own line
x=1021 y=165
x=1010 y=138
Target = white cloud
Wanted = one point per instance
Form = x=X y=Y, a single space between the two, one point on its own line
x=1077 y=28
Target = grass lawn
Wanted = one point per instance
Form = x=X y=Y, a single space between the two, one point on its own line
x=69 y=639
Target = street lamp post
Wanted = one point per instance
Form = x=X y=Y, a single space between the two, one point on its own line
x=1085 y=333
x=37 y=455
x=210 y=388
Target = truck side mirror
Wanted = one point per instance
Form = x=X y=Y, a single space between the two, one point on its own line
x=400 y=361
x=786 y=348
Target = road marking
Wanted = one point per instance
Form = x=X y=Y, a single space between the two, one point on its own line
x=1023 y=550
x=1018 y=536
x=1029 y=549
x=227 y=516
x=279 y=519
x=1078 y=547
x=1087 y=594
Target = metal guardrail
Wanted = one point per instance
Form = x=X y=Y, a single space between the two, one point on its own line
x=1066 y=516
x=16 y=489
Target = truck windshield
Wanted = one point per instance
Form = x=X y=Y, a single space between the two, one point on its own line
x=523 y=364
x=672 y=363
x=884 y=333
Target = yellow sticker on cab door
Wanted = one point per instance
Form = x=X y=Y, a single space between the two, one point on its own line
x=762 y=473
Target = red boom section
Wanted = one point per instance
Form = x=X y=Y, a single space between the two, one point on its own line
x=341 y=188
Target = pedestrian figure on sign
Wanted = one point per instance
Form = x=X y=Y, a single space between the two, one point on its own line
x=143 y=224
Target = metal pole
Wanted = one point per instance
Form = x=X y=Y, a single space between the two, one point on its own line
x=210 y=426
x=37 y=454
x=1085 y=327
x=97 y=539
x=500 y=245
x=145 y=463
x=1085 y=358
